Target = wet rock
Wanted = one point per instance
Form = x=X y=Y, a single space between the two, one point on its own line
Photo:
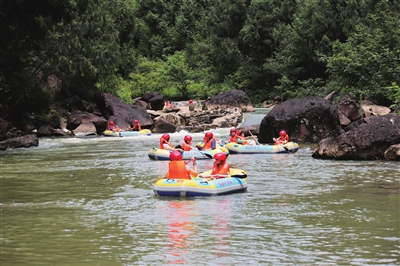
x=85 y=129
x=306 y=120
x=114 y=109
x=162 y=126
x=393 y=153
x=155 y=99
x=78 y=117
x=368 y=141
x=350 y=108
x=20 y=142
x=45 y=131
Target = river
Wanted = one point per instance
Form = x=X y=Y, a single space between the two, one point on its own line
x=89 y=201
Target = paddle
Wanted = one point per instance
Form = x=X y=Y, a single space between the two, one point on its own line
x=255 y=138
x=196 y=149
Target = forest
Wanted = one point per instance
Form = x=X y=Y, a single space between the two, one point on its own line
x=52 y=50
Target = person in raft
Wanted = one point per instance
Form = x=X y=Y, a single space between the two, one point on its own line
x=165 y=144
x=179 y=169
x=220 y=167
x=136 y=126
x=241 y=139
x=186 y=143
x=232 y=135
x=112 y=127
x=283 y=138
x=210 y=142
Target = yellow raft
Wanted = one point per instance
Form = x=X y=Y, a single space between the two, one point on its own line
x=127 y=133
x=202 y=186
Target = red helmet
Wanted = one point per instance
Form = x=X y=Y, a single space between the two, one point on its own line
x=282 y=133
x=112 y=123
x=190 y=101
x=166 y=136
x=209 y=135
x=175 y=156
x=233 y=130
x=220 y=156
x=136 y=121
x=187 y=138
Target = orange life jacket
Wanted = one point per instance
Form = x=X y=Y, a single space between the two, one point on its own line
x=233 y=139
x=244 y=140
x=112 y=128
x=177 y=169
x=282 y=139
x=208 y=144
x=186 y=147
x=162 y=141
x=136 y=127
x=223 y=169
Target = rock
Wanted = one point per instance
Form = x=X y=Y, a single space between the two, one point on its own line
x=113 y=108
x=20 y=142
x=350 y=108
x=142 y=104
x=371 y=109
x=85 y=129
x=229 y=99
x=4 y=127
x=368 y=141
x=308 y=119
x=344 y=121
x=161 y=126
x=79 y=117
x=45 y=131
x=330 y=96
x=155 y=99
x=393 y=153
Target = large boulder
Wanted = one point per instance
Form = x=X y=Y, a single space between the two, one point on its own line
x=369 y=141
x=306 y=120
x=162 y=126
x=231 y=99
x=85 y=129
x=20 y=142
x=350 y=108
x=371 y=109
x=78 y=117
x=113 y=108
x=393 y=153
x=155 y=99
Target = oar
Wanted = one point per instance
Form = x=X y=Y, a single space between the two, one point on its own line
x=255 y=139
x=206 y=154
x=234 y=175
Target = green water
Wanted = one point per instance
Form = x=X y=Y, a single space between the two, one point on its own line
x=90 y=202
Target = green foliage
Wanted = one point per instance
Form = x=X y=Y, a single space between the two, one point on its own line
x=393 y=93
x=197 y=49
x=369 y=60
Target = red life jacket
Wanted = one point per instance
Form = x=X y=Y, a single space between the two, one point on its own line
x=177 y=170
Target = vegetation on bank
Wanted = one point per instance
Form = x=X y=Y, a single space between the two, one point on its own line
x=52 y=50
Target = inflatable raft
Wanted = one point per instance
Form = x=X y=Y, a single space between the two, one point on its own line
x=161 y=154
x=202 y=186
x=235 y=148
x=127 y=133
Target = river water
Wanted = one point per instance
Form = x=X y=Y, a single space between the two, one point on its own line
x=89 y=201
